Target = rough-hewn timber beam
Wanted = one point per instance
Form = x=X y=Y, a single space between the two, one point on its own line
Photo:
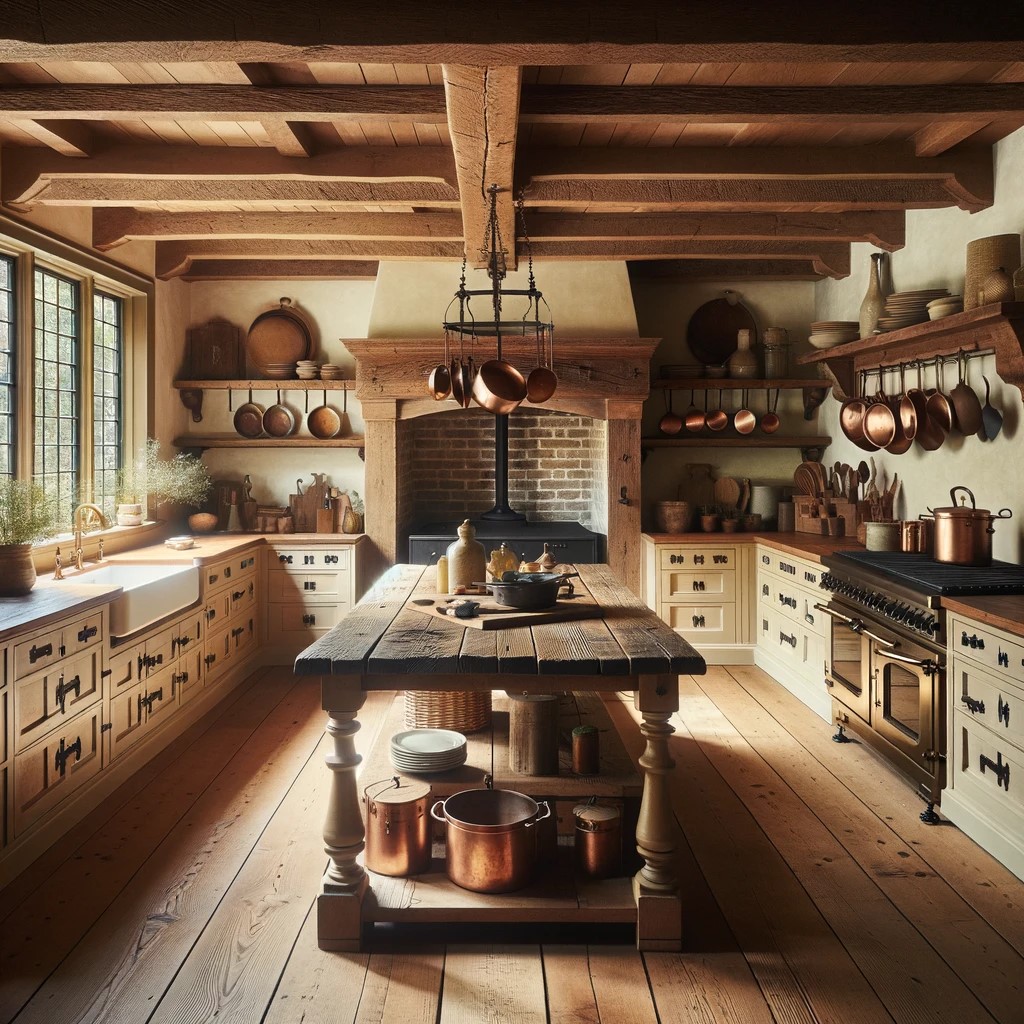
x=726 y=270
x=172 y=258
x=69 y=138
x=533 y=32
x=271 y=270
x=483 y=117
x=935 y=139
x=112 y=227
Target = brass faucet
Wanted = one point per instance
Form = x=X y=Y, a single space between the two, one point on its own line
x=81 y=523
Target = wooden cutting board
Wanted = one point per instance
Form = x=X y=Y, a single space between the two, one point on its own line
x=304 y=506
x=491 y=615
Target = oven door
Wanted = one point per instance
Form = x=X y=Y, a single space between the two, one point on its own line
x=847 y=655
x=907 y=683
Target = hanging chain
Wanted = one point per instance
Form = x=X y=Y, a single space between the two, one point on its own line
x=520 y=207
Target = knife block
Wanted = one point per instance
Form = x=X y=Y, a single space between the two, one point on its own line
x=325 y=520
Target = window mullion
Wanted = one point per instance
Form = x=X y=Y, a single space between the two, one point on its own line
x=24 y=365
x=86 y=390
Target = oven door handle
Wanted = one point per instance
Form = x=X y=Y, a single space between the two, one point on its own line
x=885 y=643
x=856 y=626
x=926 y=663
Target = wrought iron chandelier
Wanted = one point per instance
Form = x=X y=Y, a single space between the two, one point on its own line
x=496 y=384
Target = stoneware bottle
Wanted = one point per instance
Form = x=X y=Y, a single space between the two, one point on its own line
x=743 y=362
x=874 y=299
x=467 y=560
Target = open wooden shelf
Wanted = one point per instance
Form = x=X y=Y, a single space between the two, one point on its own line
x=734 y=440
x=999 y=327
x=265 y=385
x=234 y=441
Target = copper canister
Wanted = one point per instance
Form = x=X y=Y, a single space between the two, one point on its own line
x=598 y=840
x=398 y=827
x=586 y=751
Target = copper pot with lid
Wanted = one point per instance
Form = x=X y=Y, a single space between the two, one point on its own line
x=398 y=827
x=963 y=536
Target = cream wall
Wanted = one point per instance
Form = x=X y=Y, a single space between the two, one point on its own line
x=934 y=257
x=663 y=310
x=334 y=310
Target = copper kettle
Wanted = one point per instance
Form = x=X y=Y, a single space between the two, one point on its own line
x=963 y=536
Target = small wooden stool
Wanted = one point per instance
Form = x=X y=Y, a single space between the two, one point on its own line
x=533 y=733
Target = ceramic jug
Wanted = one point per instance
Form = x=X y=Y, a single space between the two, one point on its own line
x=467 y=560
x=743 y=362
x=874 y=299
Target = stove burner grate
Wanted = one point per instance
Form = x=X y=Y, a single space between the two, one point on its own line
x=923 y=573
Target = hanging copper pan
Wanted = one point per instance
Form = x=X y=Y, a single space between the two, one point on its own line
x=770 y=421
x=939 y=407
x=695 y=419
x=278 y=420
x=901 y=443
x=248 y=418
x=718 y=419
x=324 y=422
x=851 y=419
x=744 y=420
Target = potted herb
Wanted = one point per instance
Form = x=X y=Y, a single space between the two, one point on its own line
x=28 y=513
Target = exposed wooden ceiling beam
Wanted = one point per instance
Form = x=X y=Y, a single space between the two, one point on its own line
x=540 y=104
x=935 y=139
x=174 y=257
x=726 y=270
x=69 y=138
x=531 y=32
x=112 y=227
x=483 y=118
x=271 y=270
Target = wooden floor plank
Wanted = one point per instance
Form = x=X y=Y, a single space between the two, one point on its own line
x=938 y=911
x=620 y=985
x=904 y=970
x=802 y=968
x=493 y=985
x=106 y=860
x=571 y=998
x=121 y=969
x=402 y=988
x=988 y=887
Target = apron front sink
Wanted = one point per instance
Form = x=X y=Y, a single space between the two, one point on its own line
x=148 y=592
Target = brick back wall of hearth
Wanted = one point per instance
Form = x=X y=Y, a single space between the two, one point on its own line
x=557 y=466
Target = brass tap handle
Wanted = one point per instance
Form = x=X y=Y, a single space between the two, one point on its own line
x=99 y=556
x=58 y=571
x=79 y=557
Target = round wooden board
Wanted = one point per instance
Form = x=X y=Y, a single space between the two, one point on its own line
x=711 y=332
x=277 y=336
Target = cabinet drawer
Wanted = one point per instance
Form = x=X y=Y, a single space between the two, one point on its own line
x=792 y=642
x=798 y=570
x=55 y=767
x=291 y=623
x=982 y=696
x=226 y=571
x=189 y=632
x=243 y=636
x=217 y=652
x=995 y=650
x=701 y=558
x=217 y=611
x=189 y=674
x=989 y=769
x=708 y=623
x=796 y=603
x=687 y=586
x=65 y=640
x=280 y=558
x=127 y=718
x=43 y=701
x=295 y=588
x=241 y=597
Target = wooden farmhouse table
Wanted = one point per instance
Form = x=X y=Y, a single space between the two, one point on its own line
x=385 y=644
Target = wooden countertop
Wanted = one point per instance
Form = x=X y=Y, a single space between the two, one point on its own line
x=805 y=545
x=47 y=602
x=381 y=638
x=1003 y=612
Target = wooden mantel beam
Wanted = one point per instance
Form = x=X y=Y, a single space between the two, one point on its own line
x=112 y=227
x=483 y=118
x=529 y=32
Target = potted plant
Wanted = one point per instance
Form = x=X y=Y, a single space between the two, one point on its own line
x=28 y=513
x=133 y=486
x=179 y=485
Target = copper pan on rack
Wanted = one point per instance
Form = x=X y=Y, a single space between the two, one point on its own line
x=851 y=419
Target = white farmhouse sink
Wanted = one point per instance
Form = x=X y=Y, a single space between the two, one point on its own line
x=149 y=592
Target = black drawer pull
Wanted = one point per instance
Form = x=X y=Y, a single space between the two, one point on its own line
x=184 y=641
x=786 y=567
x=1003 y=712
x=210 y=659
x=1002 y=770
x=787 y=602
x=64 y=688
x=211 y=614
x=35 y=653
x=309 y=559
x=791 y=640
x=237 y=594
x=63 y=753
x=285 y=559
x=973 y=641
x=309 y=620
x=699 y=585
x=236 y=633
x=212 y=578
x=698 y=621
x=698 y=559
x=765 y=560
x=1003 y=658
x=87 y=633
x=720 y=559
x=976 y=707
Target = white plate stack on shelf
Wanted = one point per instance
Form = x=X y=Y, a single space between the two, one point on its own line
x=422 y=751
x=903 y=309
x=329 y=371
x=826 y=333
x=307 y=369
x=938 y=308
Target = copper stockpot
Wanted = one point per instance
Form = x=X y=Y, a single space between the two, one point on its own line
x=598 y=840
x=491 y=838
x=398 y=827
x=963 y=536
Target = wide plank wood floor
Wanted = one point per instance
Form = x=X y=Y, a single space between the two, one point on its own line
x=813 y=893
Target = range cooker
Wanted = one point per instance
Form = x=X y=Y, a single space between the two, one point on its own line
x=885 y=662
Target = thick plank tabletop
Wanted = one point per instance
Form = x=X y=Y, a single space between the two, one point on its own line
x=380 y=636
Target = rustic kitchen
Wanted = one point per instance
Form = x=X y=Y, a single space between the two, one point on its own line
x=511 y=523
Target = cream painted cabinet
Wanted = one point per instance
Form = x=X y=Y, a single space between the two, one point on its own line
x=791 y=632
x=6 y=747
x=984 y=792
x=702 y=592
x=230 y=614
x=309 y=588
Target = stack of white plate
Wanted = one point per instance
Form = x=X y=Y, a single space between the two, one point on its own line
x=826 y=333
x=331 y=372
x=428 y=750
x=938 y=308
x=279 y=371
x=307 y=369
x=903 y=309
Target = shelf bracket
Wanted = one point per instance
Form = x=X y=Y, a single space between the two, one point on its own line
x=192 y=399
x=812 y=454
x=813 y=397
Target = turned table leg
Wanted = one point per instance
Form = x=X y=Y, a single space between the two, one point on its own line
x=659 y=917
x=339 y=907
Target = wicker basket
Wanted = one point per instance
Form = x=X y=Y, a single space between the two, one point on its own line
x=673 y=516
x=448 y=709
x=985 y=255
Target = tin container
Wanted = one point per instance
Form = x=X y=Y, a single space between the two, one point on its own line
x=397 y=827
x=598 y=840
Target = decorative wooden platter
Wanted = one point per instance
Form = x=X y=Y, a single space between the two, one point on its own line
x=491 y=615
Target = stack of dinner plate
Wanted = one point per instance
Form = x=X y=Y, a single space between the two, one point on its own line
x=428 y=750
x=307 y=369
x=949 y=304
x=279 y=371
x=903 y=309
x=826 y=333
x=329 y=371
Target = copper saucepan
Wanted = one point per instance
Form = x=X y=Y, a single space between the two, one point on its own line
x=879 y=420
x=695 y=419
x=718 y=419
x=744 y=420
x=248 y=419
x=939 y=408
x=499 y=387
x=278 y=420
x=901 y=442
x=324 y=422
x=851 y=418
x=671 y=423
x=770 y=421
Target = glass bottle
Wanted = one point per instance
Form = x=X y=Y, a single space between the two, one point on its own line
x=874 y=299
x=743 y=362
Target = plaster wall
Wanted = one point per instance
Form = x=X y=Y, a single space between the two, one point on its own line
x=934 y=256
